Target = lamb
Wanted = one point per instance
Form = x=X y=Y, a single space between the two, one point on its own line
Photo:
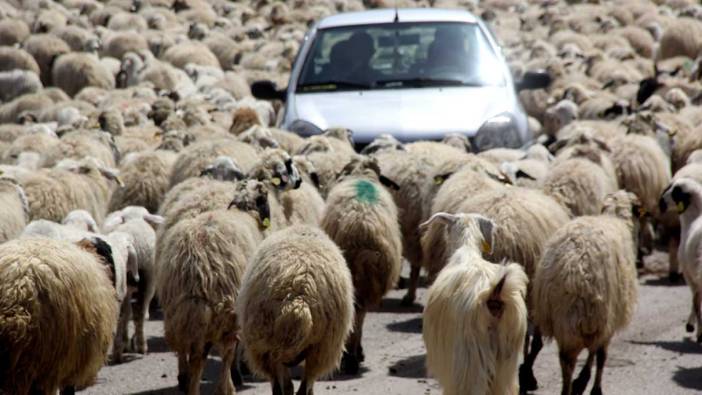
x=74 y=71
x=138 y=223
x=15 y=208
x=16 y=83
x=198 y=281
x=297 y=279
x=685 y=194
x=361 y=218
x=476 y=317
x=42 y=353
x=585 y=287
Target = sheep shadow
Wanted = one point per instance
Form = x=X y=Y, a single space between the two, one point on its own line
x=686 y=346
x=690 y=378
x=413 y=325
x=394 y=305
x=411 y=367
x=157 y=344
x=339 y=376
x=663 y=281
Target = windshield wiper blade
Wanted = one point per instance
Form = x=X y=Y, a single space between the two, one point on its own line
x=333 y=85
x=424 y=82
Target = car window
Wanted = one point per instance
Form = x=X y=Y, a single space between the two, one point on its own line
x=400 y=55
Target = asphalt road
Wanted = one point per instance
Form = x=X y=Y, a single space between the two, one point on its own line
x=653 y=355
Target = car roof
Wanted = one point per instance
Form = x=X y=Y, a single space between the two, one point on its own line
x=404 y=15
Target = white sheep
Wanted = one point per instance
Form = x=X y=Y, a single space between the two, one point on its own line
x=475 y=317
x=16 y=83
x=585 y=287
x=15 y=208
x=294 y=283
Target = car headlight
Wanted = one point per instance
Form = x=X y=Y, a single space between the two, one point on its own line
x=304 y=128
x=498 y=131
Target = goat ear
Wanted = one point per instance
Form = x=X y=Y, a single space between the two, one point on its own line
x=487 y=228
x=442 y=217
x=388 y=182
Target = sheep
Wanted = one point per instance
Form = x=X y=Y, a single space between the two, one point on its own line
x=297 y=279
x=137 y=222
x=13 y=31
x=193 y=159
x=14 y=58
x=146 y=178
x=361 y=218
x=82 y=220
x=585 y=287
x=41 y=352
x=243 y=118
x=15 y=208
x=52 y=193
x=181 y=54
x=681 y=38
x=199 y=277
x=475 y=317
x=685 y=194
x=74 y=71
x=120 y=43
x=16 y=83
x=45 y=48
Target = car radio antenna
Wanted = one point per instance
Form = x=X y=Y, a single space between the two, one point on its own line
x=397 y=15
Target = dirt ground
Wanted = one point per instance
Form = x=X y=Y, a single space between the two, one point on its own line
x=653 y=355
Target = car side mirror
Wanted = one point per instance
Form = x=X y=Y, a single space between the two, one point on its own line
x=267 y=90
x=534 y=80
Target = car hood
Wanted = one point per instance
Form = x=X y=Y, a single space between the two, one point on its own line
x=407 y=114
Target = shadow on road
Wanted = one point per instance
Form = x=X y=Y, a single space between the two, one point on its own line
x=411 y=367
x=686 y=346
x=393 y=305
x=157 y=344
x=413 y=325
x=689 y=378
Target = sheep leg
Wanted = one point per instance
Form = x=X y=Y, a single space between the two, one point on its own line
x=601 y=358
x=226 y=386
x=196 y=365
x=139 y=310
x=527 y=380
x=673 y=266
x=352 y=356
x=580 y=383
x=305 y=387
x=237 y=365
x=68 y=390
x=690 y=326
x=122 y=328
x=411 y=295
x=282 y=383
x=182 y=372
x=567 y=359
x=696 y=306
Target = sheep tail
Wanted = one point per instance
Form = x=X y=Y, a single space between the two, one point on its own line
x=293 y=328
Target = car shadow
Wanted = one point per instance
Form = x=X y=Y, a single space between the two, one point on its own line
x=413 y=325
x=410 y=367
x=686 y=346
x=690 y=378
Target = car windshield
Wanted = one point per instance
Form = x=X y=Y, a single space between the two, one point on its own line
x=400 y=55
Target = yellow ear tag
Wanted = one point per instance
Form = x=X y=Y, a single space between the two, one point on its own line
x=681 y=207
x=266 y=222
x=438 y=180
x=642 y=212
x=275 y=181
x=485 y=247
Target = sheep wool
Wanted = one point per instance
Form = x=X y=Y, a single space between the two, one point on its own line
x=295 y=282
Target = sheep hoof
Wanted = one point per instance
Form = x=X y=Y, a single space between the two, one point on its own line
x=579 y=386
x=407 y=301
x=350 y=365
x=689 y=328
x=527 y=381
x=674 y=277
x=237 y=377
x=136 y=346
x=596 y=391
x=183 y=382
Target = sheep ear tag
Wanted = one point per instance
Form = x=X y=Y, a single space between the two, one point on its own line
x=266 y=223
x=485 y=247
x=275 y=181
x=438 y=180
x=681 y=207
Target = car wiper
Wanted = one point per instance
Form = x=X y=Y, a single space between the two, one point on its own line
x=332 y=85
x=425 y=82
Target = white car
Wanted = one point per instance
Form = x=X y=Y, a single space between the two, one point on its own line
x=416 y=74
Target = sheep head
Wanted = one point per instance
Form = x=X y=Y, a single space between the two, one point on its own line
x=342 y=134
x=223 y=168
x=473 y=230
x=682 y=194
x=364 y=166
x=81 y=219
x=252 y=196
x=130 y=213
x=277 y=169
x=384 y=142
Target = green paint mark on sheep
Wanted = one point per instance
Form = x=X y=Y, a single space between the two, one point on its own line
x=366 y=191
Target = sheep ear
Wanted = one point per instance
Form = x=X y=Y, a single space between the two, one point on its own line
x=113 y=221
x=315 y=179
x=154 y=219
x=111 y=174
x=487 y=228
x=495 y=304
x=445 y=218
x=388 y=182
x=522 y=174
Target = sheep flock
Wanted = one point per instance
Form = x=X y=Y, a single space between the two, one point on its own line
x=150 y=205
